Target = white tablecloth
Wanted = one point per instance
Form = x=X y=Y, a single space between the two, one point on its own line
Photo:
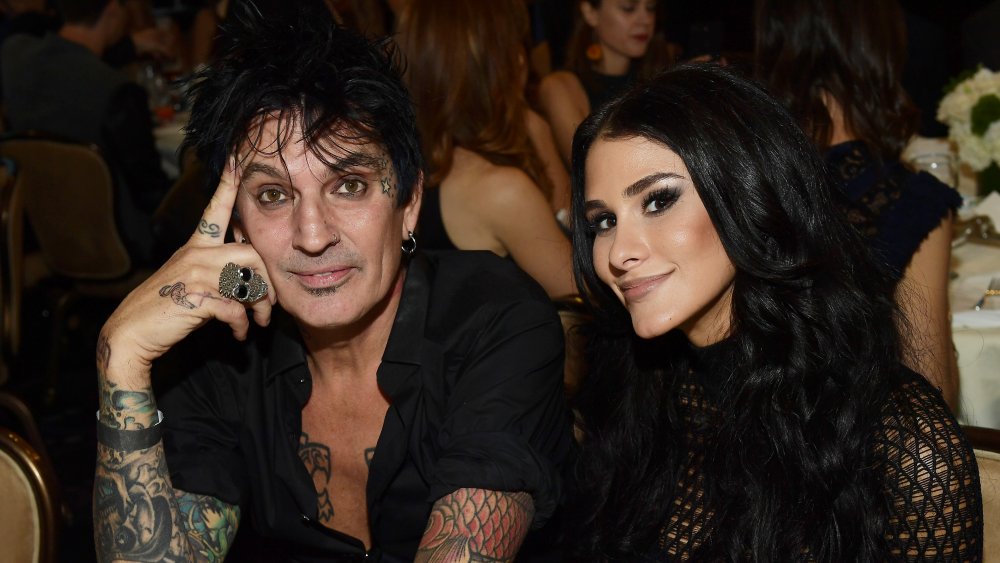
x=976 y=335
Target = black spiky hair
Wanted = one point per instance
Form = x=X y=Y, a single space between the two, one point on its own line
x=293 y=61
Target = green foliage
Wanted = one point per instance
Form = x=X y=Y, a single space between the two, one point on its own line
x=984 y=113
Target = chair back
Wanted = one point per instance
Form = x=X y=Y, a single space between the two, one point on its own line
x=68 y=193
x=28 y=521
x=11 y=271
x=986 y=444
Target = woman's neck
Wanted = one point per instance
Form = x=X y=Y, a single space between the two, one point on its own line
x=611 y=63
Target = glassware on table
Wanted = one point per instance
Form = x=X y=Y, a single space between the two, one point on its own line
x=990 y=296
x=941 y=165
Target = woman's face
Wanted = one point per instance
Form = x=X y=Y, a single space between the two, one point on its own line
x=655 y=245
x=623 y=27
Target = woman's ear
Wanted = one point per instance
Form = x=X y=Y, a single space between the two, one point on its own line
x=589 y=13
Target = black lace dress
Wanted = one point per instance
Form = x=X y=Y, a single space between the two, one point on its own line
x=931 y=477
x=894 y=207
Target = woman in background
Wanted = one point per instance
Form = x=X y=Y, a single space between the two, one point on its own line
x=487 y=187
x=837 y=65
x=746 y=400
x=609 y=49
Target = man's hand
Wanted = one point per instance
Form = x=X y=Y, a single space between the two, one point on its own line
x=476 y=525
x=182 y=296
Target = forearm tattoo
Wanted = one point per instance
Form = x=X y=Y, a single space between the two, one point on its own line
x=124 y=409
x=316 y=457
x=138 y=516
x=476 y=525
x=210 y=229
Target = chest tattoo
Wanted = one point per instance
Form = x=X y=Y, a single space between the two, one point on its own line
x=316 y=457
x=369 y=455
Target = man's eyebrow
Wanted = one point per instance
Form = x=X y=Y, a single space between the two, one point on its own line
x=642 y=184
x=255 y=168
x=593 y=204
x=356 y=160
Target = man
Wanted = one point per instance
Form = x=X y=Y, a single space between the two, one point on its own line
x=398 y=406
x=58 y=84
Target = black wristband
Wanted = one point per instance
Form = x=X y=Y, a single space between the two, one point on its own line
x=129 y=440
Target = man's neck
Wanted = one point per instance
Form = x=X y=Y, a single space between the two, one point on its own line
x=87 y=36
x=354 y=351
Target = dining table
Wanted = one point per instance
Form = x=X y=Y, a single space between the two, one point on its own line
x=976 y=333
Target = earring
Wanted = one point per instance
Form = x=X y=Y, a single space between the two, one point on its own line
x=243 y=240
x=594 y=51
x=409 y=246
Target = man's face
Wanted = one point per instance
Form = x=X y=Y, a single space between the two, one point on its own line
x=329 y=235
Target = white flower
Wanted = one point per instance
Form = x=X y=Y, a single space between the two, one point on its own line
x=954 y=111
x=972 y=149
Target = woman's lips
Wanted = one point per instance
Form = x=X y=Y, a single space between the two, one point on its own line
x=636 y=290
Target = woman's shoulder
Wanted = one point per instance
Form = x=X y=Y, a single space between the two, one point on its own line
x=561 y=86
x=478 y=179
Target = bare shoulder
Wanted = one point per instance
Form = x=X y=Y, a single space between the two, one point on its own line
x=562 y=86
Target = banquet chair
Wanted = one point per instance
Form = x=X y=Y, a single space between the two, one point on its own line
x=10 y=302
x=986 y=443
x=68 y=199
x=29 y=523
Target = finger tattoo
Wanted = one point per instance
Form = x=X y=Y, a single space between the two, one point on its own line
x=178 y=293
x=210 y=229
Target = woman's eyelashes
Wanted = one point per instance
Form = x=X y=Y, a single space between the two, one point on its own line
x=653 y=203
x=659 y=200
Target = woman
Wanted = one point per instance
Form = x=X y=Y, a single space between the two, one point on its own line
x=745 y=401
x=607 y=51
x=488 y=189
x=837 y=65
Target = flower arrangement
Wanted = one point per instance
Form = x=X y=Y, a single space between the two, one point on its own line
x=971 y=110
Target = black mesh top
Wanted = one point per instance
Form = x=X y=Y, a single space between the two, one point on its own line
x=931 y=481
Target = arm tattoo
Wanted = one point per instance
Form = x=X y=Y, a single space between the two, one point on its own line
x=103 y=353
x=316 y=457
x=210 y=229
x=476 y=525
x=138 y=516
x=369 y=456
x=119 y=407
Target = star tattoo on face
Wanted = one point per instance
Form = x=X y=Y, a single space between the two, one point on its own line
x=386 y=186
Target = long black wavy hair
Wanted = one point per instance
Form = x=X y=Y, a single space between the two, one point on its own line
x=293 y=61
x=816 y=350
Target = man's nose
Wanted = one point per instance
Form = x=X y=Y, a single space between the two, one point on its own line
x=315 y=226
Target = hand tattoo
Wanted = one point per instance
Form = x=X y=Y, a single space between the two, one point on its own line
x=476 y=525
x=177 y=292
x=210 y=229
x=316 y=457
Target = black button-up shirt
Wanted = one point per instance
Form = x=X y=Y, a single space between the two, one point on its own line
x=473 y=374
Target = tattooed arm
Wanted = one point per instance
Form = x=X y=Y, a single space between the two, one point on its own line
x=138 y=515
x=476 y=525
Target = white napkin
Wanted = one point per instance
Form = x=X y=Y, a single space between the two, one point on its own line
x=986 y=318
x=990 y=206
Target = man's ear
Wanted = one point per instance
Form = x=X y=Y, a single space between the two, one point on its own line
x=411 y=212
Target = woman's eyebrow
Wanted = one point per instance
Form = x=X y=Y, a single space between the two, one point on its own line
x=640 y=185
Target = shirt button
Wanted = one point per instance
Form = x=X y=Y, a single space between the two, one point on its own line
x=303 y=380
